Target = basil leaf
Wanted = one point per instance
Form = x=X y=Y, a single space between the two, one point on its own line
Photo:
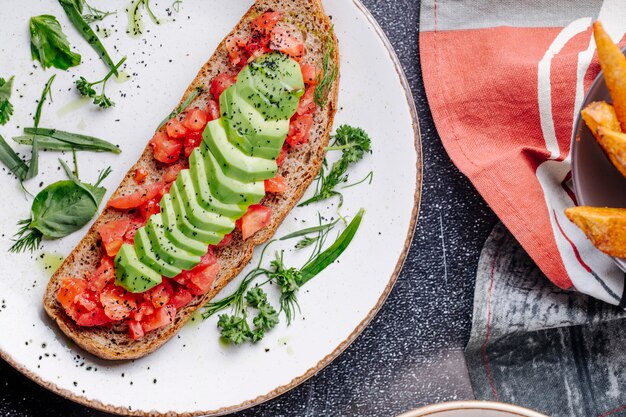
x=49 y=45
x=11 y=160
x=59 y=140
x=6 y=108
x=74 y=14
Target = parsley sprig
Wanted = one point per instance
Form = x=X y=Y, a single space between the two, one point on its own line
x=6 y=108
x=353 y=142
x=87 y=89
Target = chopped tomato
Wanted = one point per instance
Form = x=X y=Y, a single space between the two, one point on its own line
x=135 y=224
x=221 y=83
x=226 y=241
x=145 y=309
x=181 y=297
x=300 y=130
x=256 y=218
x=236 y=52
x=172 y=173
x=310 y=73
x=276 y=185
x=70 y=289
x=266 y=22
x=195 y=120
x=95 y=317
x=160 y=318
x=192 y=141
x=284 y=40
x=165 y=149
x=140 y=175
x=117 y=302
x=104 y=274
x=112 y=234
x=81 y=304
x=134 y=200
x=175 y=129
x=307 y=101
x=159 y=295
x=213 y=110
x=282 y=155
x=135 y=330
x=149 y=208
x=200 y=278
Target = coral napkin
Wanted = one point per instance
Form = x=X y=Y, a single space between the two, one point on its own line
x=504 y=80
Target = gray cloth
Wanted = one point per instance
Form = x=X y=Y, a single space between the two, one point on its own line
x=532 y=344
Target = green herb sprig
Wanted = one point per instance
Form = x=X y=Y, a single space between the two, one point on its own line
x=192 y=96
x=135 y=19
x=59 y=140
x=353 y=142
x=6 y=108
x=49 y=45
x=91 y=14
x=86 y=88
x=329 y=71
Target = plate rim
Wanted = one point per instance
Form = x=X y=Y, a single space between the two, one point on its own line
x=98 y=405
x=473 y=405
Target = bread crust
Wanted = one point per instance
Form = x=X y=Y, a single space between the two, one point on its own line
x=300 y=168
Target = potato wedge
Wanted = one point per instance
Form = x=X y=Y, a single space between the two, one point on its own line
x=614 y=146
x=600 y=113
x=613 y=64
x=605 y=227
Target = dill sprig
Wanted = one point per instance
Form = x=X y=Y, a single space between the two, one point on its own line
x=329 y=71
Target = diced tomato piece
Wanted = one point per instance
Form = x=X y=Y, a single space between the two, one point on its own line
x=149 y=208
x=226 y=241
x=145 y=309
x=166 y=149
x=221 y=83
x=195 y=120
x=160 y=318
x=310 y=73
x=276 y=185
x=284 y=40
x=307 y=101
x=135 y=223
x=236 y=52
x=172 y=173
x=300 y=130
x=213 y=110
x=117 y=302
x=112 y=234
x=159 y=295
x=200 y=281
x=140 y=175
x=192 y=141
x=70 y=289
x=175 y=129
x=181 y=298
x=256 y=218
x=104 y=274
x=96 y=317
x=134 y=200
x=282 y=155
x=266 y=22
x=135 y=330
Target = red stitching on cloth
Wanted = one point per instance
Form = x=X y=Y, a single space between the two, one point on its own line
x=608 y=413
x=483 y=348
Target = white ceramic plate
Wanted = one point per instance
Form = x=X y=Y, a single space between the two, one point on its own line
x=472 y=409
x=194 y=373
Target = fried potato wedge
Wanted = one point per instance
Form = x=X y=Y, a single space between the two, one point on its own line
x=605 y=227
x=614 y=146
x=600 y=113
x=613 y=64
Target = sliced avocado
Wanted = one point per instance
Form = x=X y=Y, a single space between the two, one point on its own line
x=230 y=190
x=173 y=233
x=235 y=163
x=273 y=84
x=188 y=229
x=131 y=273
x=147 y=254
x=198 y=216
x=205 y=197
x=165 y=249
x=247 y=128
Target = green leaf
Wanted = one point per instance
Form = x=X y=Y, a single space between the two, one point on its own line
x=33 y=165
x=11 y=160
x=309 y=230
x=75 y=16
x=6 y=108
x=234 y=329
x=59 y=140
x=49 y=45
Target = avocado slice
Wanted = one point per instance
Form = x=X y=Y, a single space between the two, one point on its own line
x=227 y=189
x=273 y=84
x=165 y=249
x=205 y=197
x=235 y=163
x=198 y=216
x=247 y=128
x=188 y=229
x=173 y=233
x=131 y=273
x=147 y=254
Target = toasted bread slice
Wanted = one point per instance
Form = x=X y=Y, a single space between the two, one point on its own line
x=605 y=227
x=299 y=169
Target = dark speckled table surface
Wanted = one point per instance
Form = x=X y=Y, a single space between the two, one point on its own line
x=411 y=354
